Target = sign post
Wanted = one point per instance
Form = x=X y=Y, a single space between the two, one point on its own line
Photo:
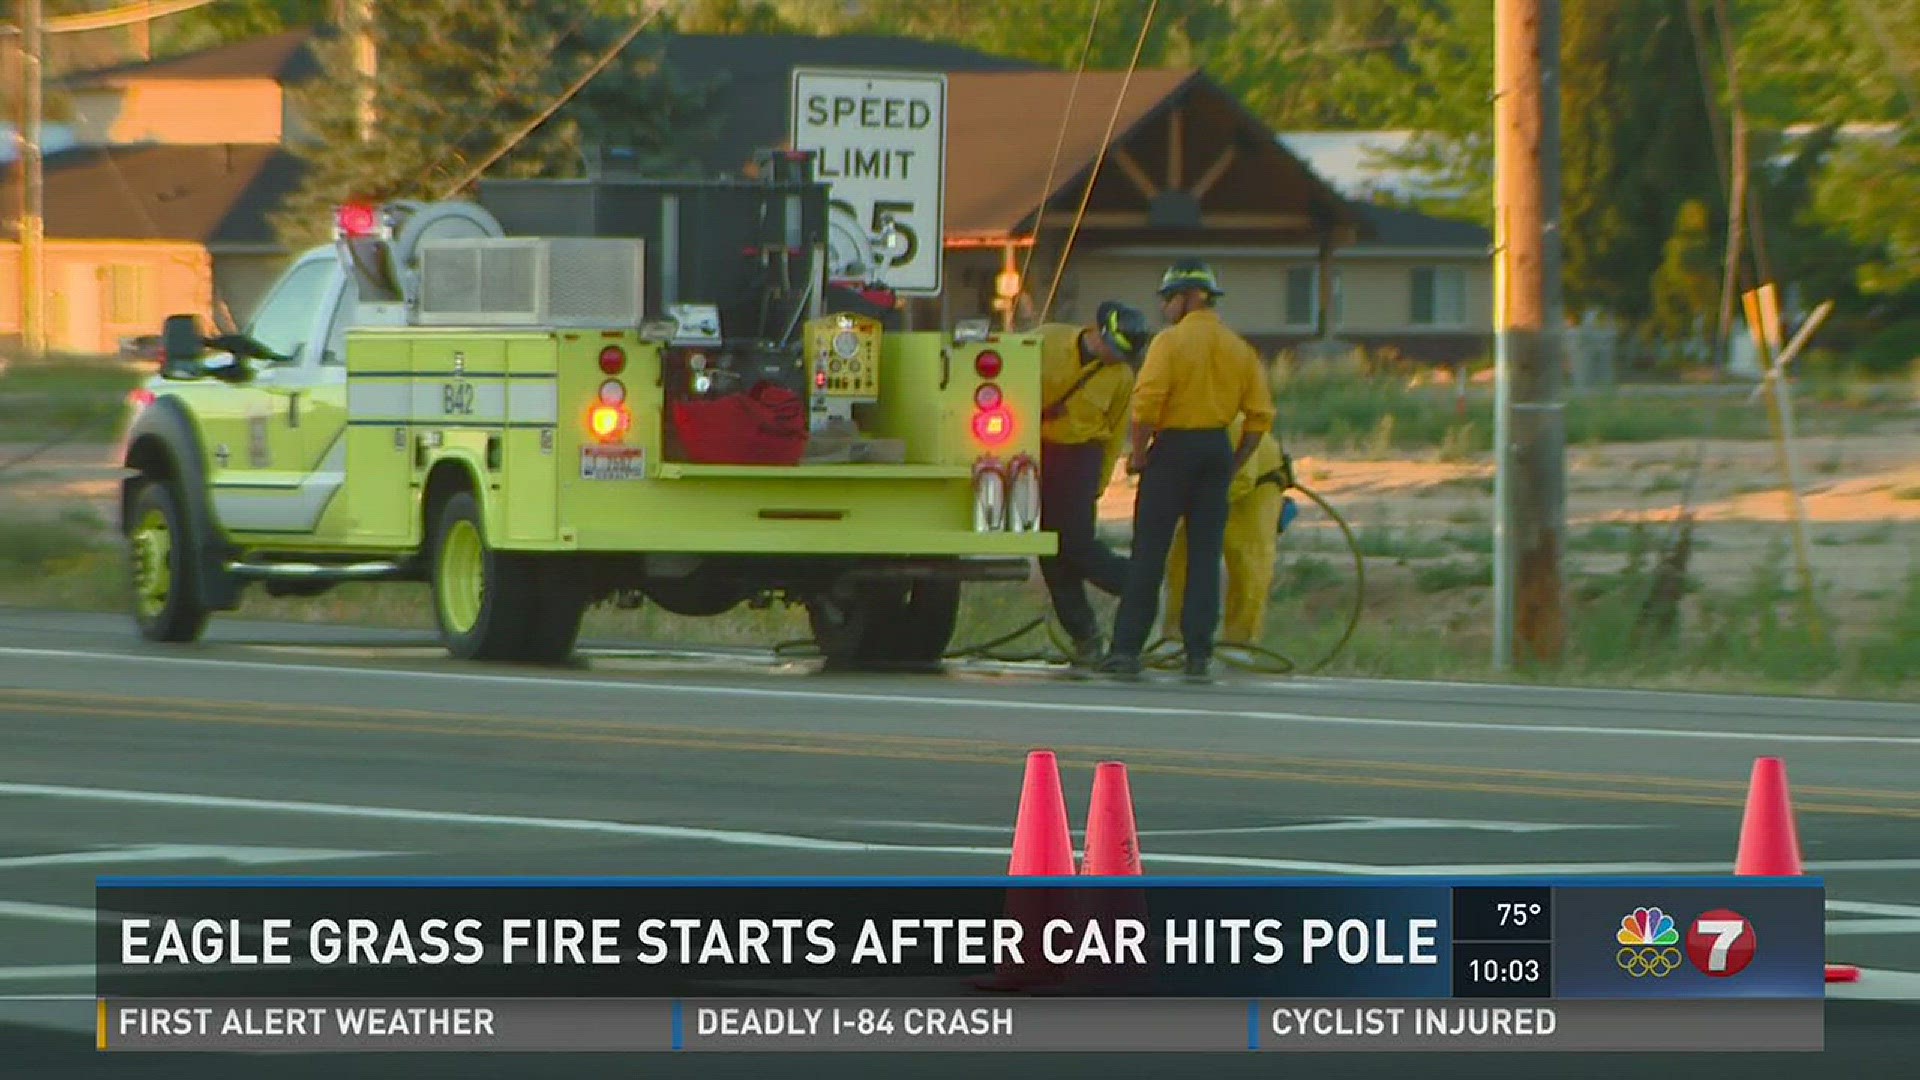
x=881 y=143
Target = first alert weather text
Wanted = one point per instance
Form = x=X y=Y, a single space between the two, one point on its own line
x=778 y=942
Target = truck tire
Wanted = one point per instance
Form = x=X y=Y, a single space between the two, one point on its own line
x=483 y=600
x=922 y=622
x=164 y=555
x=886 y=623
x=559 y=604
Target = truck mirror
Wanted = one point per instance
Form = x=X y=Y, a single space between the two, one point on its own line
x=181 y=342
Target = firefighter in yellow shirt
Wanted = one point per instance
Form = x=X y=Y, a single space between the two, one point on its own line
x=1085 y=378
x=1255 y=500
x=1197 y=379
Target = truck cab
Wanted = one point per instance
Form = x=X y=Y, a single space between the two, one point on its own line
x=532 y=421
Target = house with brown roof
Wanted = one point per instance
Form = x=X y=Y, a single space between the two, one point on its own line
x=164 y=207
x=1188 y=171
x=162 y=204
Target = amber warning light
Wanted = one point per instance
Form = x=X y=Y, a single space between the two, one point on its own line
x=608 y=419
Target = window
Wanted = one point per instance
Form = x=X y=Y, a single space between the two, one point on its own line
x=1303 y=297
x=343 y=317
x=1439 y=296
x=126 y=292
x=284 y=317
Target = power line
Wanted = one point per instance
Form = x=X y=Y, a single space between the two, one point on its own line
x=559 y=102
x=124 y=15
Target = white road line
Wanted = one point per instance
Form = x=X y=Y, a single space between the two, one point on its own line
x=1010 y=711
x=1865 y=907
x=1873 y=927
x=243 y=854
x=1355 y=824
x=55 y=913
x=45 y=972
x=788 y=842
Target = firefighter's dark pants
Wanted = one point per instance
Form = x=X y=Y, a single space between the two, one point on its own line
x=1070 y=487
x=1186 y=476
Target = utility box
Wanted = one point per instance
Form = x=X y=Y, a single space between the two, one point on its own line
x=532 y=281
x=747 y=247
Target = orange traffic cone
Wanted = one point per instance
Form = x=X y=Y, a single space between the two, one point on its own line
x=1113 y=850
x=1113 y=845
x=1042 y=847
x=1769 y=841
x=1042 y=842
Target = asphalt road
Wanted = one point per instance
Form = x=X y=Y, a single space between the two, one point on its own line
x=287 y=749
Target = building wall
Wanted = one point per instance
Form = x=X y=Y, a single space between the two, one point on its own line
x=1435 y=307
x=180 y=111
x=99 y=292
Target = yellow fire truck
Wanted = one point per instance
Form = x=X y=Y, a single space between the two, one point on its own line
x=564 y=393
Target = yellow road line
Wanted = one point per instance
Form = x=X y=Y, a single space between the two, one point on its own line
x=734 y=738
x=802 y=746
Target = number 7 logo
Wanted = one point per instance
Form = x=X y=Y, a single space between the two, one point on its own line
x=1720 y=943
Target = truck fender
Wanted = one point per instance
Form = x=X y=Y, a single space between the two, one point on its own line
x=453 y=468
x=164 y=442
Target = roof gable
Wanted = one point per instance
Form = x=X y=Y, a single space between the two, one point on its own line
x=215 y=195
x=1177 y=137
x=1002 y=128
x=286 y=57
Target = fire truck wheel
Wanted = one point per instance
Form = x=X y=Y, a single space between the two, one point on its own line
x=559 y=604
x=484 y=601
x=886 y=623
x=922 y=624
x=166 y=579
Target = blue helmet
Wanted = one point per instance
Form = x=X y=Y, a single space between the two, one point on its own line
x=1123 y=327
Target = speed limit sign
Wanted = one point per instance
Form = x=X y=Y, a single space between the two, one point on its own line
x=880 y=140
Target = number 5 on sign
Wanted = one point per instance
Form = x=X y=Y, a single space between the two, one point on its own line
x=1720 y=943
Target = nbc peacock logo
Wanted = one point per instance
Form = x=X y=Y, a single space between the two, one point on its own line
x=1647 y=938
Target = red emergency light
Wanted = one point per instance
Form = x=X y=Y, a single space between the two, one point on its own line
x=358 y=219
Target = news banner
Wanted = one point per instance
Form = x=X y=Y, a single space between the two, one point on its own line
x=959 y=964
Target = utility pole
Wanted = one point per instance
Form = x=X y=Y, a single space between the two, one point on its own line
x=142 y=32
x=32 y=232
x=1530 y=426
x=359 y=18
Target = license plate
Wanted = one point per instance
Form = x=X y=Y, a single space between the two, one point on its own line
x=600 y=463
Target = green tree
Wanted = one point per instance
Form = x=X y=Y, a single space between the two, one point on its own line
x=731 y=17
x=1637 y=144
x=1686 y=287
x=1440 y=86
x=235 y=20
x=458 y=78
x=1317 y=63
x=1871 y=195
x=1055 y=33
